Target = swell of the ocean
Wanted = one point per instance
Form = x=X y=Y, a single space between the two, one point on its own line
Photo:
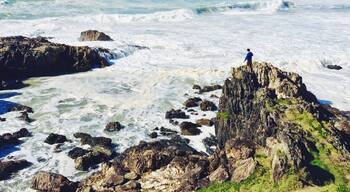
x=190 y=42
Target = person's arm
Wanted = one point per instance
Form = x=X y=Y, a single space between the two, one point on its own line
x=246 y=58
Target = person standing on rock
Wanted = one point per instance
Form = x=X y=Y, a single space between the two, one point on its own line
x=249 y=59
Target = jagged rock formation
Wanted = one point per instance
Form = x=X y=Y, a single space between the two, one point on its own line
x=269 y=115
x=22 y=57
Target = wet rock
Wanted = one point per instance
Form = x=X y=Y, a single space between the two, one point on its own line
x=210 y=144
x=2 y=119
x=336 y=67
x=21 y=133
x=167 y=132
x=21 y=108
x=173 y=122
x=205 y=122
x=113 y=126
x=153 y=135
x=176 y=114
x=90 y=160
x=210 y=88
x=197 y=87
x=214 y=96
x=192 y=102
x=93 y=35
x=208 y=106
x=219 y=175
x=93 y=141
x=77 y=152
x=55 y=138
x=25 y=117
x=188 y=128
x=22 y=57
x=7 y=168
x=51 y=182
x=245 y=168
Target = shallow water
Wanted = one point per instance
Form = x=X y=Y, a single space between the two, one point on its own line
x=186 y=47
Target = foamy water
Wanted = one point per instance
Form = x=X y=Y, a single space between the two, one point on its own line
x=186 y=47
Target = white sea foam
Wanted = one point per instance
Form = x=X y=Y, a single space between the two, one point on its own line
x=185 y=48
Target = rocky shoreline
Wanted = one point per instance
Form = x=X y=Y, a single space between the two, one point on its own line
x=267 y=125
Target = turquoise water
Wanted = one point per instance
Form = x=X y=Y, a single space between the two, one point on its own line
x=34 y=9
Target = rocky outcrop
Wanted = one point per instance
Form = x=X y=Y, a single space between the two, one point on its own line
x=7 y=168
x=271 y=110
x=93 y=35
x=51 y=182
x=22 y=57
x=93 y=141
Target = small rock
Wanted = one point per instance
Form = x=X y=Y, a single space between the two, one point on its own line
x=153 y=135
x=7 y=168
x=93 y=141
x=25 y=117
x=51 y=182
x=55 y=138
x=214 y=96
x=208 y=106
x=131 y=176
x=210 y=88
x=210 y=143
x=206 y=122
x=219 y=175
x=93 y=35
x=113 y=126
x=176 y=114
x=2 y=119
x=167 y=132
x=336 y=67
x=22 y=108
x=173 y=122
x=77 y=152
x=196 y=87
x=189 y=128
x=192 y=102
x=57 y=148
x=245 y=168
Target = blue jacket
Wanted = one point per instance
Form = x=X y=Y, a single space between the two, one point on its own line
x=249 y=56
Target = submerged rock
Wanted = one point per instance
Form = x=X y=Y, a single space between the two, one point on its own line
x=55 y=138
x=336 y=67
x=7 y=168
x=52 y=182
x=93 y=35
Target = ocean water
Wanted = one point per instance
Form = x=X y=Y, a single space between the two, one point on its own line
x=190 y=42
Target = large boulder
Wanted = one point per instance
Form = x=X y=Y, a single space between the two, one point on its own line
x=52 y=182
x=7 y=168
x=192 y=102
x=23 y=57
x=113 y=126
x=93 y=35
